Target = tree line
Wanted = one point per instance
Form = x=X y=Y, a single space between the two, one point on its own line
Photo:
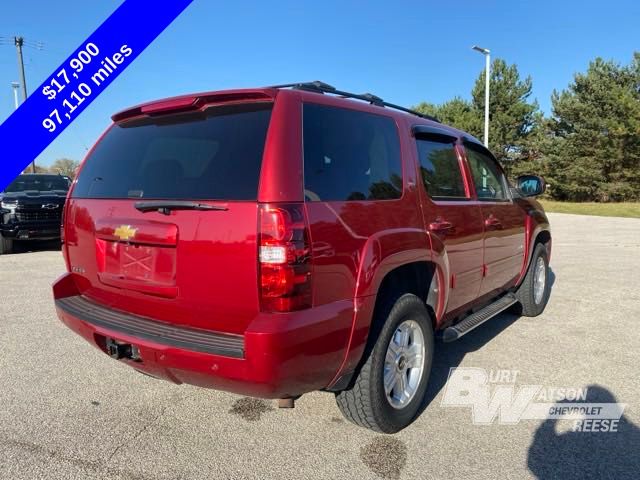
x=588 y=148
x=62 y=166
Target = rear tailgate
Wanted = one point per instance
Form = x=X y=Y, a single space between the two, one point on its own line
x=196 y=268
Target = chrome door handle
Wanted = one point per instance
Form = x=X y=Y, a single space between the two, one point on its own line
x=493 y=223
x=441 y=226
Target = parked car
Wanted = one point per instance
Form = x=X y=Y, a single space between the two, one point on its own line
x=31 y=209
x=276 y=241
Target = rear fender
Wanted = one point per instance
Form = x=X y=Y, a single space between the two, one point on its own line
x=381 y=253
x=387 y=250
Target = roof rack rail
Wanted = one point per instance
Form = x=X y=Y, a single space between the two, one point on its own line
x=321 y=87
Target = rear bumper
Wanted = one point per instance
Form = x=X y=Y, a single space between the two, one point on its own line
x=142 y=328
x=279 y=355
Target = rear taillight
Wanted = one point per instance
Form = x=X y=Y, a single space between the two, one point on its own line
x=284 y=258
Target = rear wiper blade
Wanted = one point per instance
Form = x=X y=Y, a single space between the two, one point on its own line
x=166 y=206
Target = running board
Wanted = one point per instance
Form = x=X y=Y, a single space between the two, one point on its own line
x=456 y=331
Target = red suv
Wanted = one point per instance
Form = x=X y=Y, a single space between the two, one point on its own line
x=281 y=240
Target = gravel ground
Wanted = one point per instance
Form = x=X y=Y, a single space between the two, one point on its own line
x=67 y=411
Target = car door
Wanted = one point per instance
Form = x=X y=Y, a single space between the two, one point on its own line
x=453 y=219
x=504 y=222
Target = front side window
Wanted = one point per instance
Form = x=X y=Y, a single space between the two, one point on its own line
x=440 y=170
x=488 y=178
x=350 y=155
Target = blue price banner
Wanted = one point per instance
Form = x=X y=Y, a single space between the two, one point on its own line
x=80 y=79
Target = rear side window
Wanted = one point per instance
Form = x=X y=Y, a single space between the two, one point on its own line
x=350 y=155
x=440 y=170
x=216 y=154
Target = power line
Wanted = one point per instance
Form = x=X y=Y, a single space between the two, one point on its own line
x=36 y=45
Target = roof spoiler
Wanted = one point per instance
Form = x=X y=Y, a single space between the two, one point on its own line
x=189 y=103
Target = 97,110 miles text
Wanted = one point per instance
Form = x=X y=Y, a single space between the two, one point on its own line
x=82 y=91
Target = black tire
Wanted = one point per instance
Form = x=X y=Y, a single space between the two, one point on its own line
x=6 y=245
x=525 y=293
x=366 y=403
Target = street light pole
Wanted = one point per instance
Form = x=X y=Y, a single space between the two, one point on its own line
x=15 y=86
x=487 y=73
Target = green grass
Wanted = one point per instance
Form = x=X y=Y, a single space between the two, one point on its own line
x=630 y=210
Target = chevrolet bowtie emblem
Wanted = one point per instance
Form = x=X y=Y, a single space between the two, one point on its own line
x=125 y=232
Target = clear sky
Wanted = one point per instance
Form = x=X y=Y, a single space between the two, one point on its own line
x=405 y=52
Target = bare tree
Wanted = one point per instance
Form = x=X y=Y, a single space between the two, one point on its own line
x=65 y=166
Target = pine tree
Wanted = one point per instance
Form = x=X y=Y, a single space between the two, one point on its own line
x=593 y=147
x=513 y=119
x=458 y=113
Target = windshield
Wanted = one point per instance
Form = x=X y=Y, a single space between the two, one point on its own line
x=216 y=154
x=38 y=183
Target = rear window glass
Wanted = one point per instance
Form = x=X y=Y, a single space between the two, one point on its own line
x=209 y=155
x=350 y=155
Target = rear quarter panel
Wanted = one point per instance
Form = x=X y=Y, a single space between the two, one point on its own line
x=356 y=243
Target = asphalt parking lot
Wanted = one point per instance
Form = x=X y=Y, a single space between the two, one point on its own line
x=67 y=411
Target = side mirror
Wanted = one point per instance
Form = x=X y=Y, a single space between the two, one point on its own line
x=530 y=185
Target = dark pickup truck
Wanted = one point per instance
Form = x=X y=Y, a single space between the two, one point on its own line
x=31 y=209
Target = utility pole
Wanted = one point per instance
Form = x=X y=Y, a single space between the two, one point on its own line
x=487 y=70
x=15 y=86
x=19 y=41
